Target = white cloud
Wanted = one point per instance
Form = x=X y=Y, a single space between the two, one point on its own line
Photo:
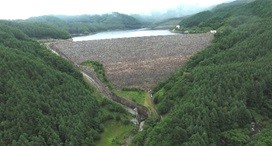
x=14 y=9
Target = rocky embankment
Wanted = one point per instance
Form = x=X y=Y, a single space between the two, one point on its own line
x=136 y=62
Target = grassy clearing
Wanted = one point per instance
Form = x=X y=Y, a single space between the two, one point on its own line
x=135 y=95
x=150 y=105
x=115 y=134
x=141 y=97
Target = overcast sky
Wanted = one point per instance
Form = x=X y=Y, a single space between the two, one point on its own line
x=22 y=9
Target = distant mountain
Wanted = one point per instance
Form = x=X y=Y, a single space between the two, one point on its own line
x=237 y=2
x=65 y=26
x=167 y=24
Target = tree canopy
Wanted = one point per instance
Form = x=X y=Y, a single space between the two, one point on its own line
x=222 y=96
x=44 y=99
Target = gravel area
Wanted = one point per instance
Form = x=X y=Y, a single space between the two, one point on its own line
x=137 y=62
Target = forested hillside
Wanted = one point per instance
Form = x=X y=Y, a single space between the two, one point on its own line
x=64 y=27
x=167 y=24
x=223 y=15
x=43 y=98
x=223 y=95
x=86 y=24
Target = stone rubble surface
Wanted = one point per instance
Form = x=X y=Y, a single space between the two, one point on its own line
x=139 y=62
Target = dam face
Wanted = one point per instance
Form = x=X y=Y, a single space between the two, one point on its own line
x=139 y=62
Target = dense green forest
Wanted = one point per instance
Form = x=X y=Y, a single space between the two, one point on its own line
x=222 y=15
x=64 y=27
x=223 y=95
x=44 y=99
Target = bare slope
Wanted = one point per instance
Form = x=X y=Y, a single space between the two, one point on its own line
x=137 y=62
